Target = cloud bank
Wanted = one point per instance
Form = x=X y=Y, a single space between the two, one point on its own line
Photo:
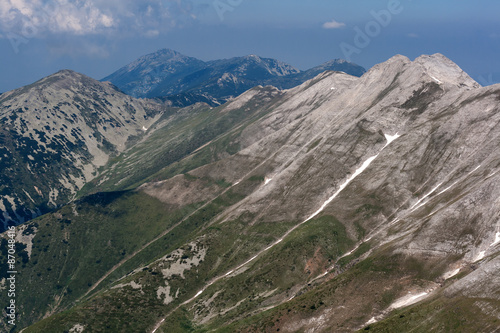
x=91 y=17
x=333 y=25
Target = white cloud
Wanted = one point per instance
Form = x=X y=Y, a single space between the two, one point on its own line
x=333 y=25
x=86 y=17
x=59 y=16
x=99 y=22
x=152 y=33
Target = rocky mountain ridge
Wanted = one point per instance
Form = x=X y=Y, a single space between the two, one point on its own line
x=55 y=135
x=342 y=204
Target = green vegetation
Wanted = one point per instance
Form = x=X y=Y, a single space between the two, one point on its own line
x=78 y=244
x=442 y=314
x=187 y=140
x=116 y=217
x=368 y=287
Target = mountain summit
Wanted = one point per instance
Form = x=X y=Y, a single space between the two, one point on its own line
x=55 y=134
x=163 y=67
x=343 y=204
x=183 y=81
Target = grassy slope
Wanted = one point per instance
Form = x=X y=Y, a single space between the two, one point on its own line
x=119 y=223
x=174 y=148
x=113 y=310
x=443 y=314
x=367 y=287
x=71 y=252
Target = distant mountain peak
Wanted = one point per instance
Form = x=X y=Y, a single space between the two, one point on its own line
x=252 y=56
x=65 y=72
x=167 y=51
x=182 y=80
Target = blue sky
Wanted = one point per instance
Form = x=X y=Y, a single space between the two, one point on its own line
x=96 y=37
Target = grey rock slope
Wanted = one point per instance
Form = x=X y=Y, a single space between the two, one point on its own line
x=54 y=136
x=184 y=81
x=345 y=203
x=429 y=195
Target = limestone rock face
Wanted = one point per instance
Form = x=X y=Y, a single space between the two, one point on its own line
x=54 y=136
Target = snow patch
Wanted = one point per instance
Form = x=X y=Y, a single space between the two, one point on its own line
x=408 y=300
x=448 y=188
x=158 y=326
x=350 y=252
x=438 y=81
x=144 y=128
x=451 y=274
x=267 y=180
x=390 y=138
x=480 y=256
x=417 y=204
x=415 y=207
x=73 y=209
x=344 y=185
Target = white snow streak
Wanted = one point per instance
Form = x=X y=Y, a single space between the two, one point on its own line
x=451 y=274
x=438 y=81
x=344 y=185
x=390 y=138
x=448 y=188
x=363 y=167
x=424 y=197
x=158 y=326
x=267 y=180
x=480 y=256
x=413 y=208
x=497 y=240
x=407 y=300
x=366 y=164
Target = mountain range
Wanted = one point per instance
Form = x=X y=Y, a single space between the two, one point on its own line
x=342 y=204
x=183 y=80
